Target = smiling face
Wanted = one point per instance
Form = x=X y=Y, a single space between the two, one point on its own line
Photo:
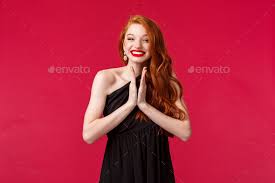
x=136 y=44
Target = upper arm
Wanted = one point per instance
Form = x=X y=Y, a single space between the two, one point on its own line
x=179 y=102
x=181 y=105
x=98 y=97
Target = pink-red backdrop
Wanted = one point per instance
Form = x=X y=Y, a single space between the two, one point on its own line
x=42 y=106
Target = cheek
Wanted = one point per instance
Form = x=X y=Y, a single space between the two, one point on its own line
x=146 y=46
x=127 y=46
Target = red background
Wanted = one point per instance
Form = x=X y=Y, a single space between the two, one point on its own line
x=42 y=113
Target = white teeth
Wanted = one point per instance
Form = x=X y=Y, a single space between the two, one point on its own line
x=137 y=52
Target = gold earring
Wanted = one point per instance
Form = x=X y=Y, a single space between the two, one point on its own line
x=125 y=57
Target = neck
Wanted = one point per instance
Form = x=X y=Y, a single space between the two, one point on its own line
x=137 y=67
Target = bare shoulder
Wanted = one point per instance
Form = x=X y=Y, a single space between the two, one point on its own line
x=104 y=75
x=107 y=78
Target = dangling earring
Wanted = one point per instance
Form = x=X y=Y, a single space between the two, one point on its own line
x=125 y=57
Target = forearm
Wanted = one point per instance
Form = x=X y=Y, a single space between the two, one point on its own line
x=99 y=127
x=177 y=127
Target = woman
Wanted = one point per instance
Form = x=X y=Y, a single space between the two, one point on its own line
x=142 y=105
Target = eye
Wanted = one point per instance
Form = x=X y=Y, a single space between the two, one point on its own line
x=130 y=38
x=146 y=40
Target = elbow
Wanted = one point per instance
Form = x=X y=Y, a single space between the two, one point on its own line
x=186 y=134
x=87 y=139
x=186 y=131
x=185 y=137
x=87 y=135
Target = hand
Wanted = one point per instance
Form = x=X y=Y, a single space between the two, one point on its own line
x=141 y=99
x=132 y=100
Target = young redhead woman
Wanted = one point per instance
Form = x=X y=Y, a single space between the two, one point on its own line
x=142 y=106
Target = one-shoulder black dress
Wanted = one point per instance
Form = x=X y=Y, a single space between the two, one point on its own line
x=135 y=152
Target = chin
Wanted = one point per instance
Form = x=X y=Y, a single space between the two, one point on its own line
x=139 y=60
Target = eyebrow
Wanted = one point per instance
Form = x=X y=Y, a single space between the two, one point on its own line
x=134 y=35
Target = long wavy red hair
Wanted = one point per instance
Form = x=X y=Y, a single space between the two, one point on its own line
x=161 y=90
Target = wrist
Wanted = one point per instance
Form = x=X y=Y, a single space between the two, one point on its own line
x=143 y=106
x=130 y=105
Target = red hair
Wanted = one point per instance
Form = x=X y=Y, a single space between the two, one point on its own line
x=161 y=90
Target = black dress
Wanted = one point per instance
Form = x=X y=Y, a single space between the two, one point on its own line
x=135 y=151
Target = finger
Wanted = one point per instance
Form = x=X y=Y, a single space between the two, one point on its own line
x=143 y=76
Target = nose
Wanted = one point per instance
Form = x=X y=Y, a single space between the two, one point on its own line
x=138 y=43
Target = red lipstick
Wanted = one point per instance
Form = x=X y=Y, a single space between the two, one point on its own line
x=137 y=53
